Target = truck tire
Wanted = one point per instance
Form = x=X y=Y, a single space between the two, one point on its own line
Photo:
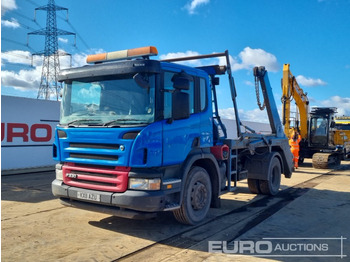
x=272 y=185
x=253 y=185
x=197 y=196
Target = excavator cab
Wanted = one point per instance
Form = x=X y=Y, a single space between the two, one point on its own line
x=321 y=122
x=321 y=138
x=319 y=131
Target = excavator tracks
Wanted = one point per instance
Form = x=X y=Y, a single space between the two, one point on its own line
x=325 y=160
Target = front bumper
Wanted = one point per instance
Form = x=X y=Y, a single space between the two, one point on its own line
x=143 y=201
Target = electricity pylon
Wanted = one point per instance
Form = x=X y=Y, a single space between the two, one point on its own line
x=51 y=63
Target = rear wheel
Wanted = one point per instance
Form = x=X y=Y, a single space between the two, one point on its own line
x=253 y=185
x=197 y=196
x=272 y=185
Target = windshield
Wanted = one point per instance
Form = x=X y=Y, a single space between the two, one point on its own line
x=108 y=101
x=319 y=131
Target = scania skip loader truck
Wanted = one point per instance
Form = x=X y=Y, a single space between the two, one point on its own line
x=138 y=136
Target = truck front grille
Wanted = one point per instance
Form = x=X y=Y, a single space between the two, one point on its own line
x=95 y=146
x=94 y=156
x=96 y=178
x=89 y=152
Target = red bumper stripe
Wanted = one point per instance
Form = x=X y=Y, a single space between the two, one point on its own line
x=103 y=179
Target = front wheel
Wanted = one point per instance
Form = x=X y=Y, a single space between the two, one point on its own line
x=197 y=196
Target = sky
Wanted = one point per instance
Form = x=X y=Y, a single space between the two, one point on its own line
x=313 y=36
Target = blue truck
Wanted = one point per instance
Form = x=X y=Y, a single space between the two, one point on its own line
x=138 y=136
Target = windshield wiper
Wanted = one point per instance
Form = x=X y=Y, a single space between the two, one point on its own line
x=83 y=120
x=124 y=120
x=110 y=123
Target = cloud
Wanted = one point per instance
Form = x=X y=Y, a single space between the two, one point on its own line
x=13 y=23
x=222 y=61
x=7 y=5
x=246 y=59
x=29 y=79
x=249 y=83
x=183 y=54
x=77 y=60
x=341 y=103
x=194 y=4
x=255 y=57
x=25 y=58
x=199 y=62
x=305 y=81
x=20 y=57
x=23 y=80
x=63 y=40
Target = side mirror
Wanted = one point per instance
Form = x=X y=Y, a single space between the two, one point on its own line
x=180 y=105
x=181 y=81
x=141 y=81
x=332 y=124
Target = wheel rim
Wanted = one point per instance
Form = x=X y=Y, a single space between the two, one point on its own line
x=199 y=194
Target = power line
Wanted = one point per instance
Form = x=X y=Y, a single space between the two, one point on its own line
x=17 y=43
x=21 y=65
x=26 y=17
x=29 y=1
x=79 y=36
x=25 y=26
x=16 y=55
x=75 y=31
x=23 y=16
x=10 y=53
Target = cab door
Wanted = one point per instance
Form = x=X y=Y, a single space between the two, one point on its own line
x=179 y=136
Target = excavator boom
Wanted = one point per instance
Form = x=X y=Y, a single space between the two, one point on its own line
x=291 y=90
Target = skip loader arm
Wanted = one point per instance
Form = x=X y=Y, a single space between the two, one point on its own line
x=261 y=75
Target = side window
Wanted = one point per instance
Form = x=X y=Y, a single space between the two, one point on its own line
x=168 y=85
x=203 y=94
x=190 y=92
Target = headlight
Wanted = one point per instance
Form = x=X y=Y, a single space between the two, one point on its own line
x=144 y=184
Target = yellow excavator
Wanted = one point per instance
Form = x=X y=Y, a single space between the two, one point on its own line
x=316 y=128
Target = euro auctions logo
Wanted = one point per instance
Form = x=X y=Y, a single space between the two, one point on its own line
x=22 y=132
x=282 y=247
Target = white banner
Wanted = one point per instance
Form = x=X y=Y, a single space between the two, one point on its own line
x=27 y=132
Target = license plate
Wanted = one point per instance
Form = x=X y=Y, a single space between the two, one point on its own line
x=88 y=196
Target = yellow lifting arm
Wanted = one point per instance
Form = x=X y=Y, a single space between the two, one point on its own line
x=291 y=88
